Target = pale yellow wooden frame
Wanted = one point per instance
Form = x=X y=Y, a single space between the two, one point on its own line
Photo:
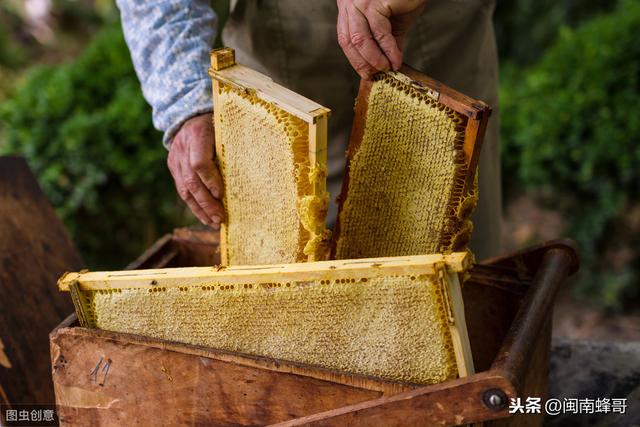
x=446 y=267
x=225 y=71
x=456 y=262
x=458 y=323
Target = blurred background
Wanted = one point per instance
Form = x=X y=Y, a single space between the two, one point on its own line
x=570 y=84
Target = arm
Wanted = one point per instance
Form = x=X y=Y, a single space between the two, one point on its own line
x=371 y=32
x=169 y=42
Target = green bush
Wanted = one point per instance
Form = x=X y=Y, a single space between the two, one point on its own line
x=86 y=131
x=11 y=56
x=571 y=129
x=526 y=28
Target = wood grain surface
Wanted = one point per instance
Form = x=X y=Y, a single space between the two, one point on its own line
x=34 y=251
x=108 y=379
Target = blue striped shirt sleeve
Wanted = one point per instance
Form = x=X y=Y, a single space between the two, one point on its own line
x=169 y=41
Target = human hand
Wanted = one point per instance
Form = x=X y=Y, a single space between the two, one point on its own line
x=194 y=172
x=371 y=32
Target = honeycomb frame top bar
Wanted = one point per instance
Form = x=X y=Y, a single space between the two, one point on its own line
x=330 y=270
x=478 y=112
x=225 y=70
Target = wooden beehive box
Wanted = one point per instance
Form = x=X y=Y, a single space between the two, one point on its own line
x=106 y=378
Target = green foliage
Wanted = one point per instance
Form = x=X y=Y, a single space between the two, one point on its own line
x=526 y=28
x=571 y=128
x=69 y=25
x=11 y=56
x=86 y=131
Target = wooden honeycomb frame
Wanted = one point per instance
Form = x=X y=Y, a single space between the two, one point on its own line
x=226 y=73
x=476 y=114
x=297 y=296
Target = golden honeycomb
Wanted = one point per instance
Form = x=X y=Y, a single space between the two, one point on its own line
x=391 y=326
x=264 y=161
x=406 y=179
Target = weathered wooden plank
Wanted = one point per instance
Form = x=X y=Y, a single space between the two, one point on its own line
x=103 y=378
x=34 y=250
x=454 y=402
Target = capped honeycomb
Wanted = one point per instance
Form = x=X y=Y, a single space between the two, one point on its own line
x=263 y=163
x=406 y=191
x=274 y=197
x=385 y=322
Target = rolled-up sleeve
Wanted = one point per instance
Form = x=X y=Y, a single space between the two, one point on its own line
x=169 y=41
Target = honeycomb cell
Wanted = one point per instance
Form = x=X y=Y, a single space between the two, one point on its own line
x=406 y=178
x=389 y=327
x=265 y=167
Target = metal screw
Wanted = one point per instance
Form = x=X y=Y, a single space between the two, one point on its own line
x=495 y=399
